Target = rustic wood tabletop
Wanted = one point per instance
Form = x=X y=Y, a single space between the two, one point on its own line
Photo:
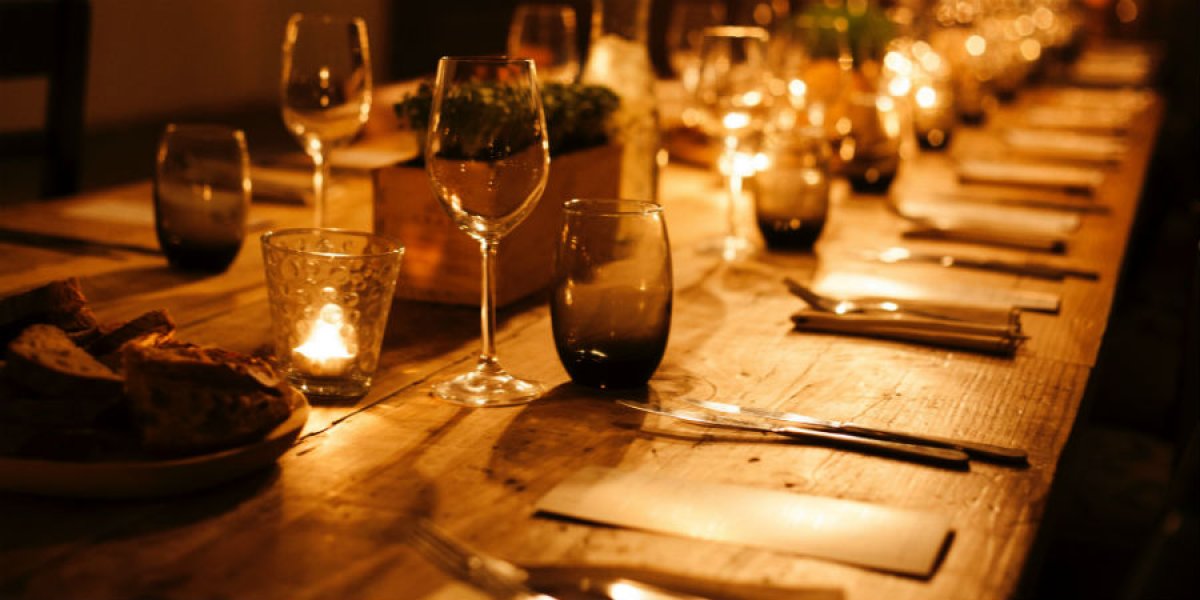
x=329 y=520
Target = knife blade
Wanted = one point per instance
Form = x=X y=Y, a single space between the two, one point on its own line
x=1031 y=268
x=989 y=452
x=946 y=457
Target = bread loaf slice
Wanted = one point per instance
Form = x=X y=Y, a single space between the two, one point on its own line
x=59 y=303
x=112 y=337
x=188 y=399
x=45 y=362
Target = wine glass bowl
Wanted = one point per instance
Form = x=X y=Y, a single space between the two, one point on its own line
x=546 y=33
x=487 y=156
x=325 y=89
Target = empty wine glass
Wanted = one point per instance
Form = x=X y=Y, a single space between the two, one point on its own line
x=487 y=156
x=325 y=89
x=546 y=34
x=685 y=33
x=732 y=92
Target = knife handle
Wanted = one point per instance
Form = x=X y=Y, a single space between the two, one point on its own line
x=981 y=451
x=946 y=457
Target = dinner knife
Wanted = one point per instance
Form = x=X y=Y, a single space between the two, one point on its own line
x=989 y=452
x=1031 y=268
x=946 y=457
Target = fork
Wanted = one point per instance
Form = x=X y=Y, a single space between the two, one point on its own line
x=499 y=578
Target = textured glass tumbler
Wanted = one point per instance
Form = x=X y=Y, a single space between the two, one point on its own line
x=201 y=195
x=330 y=291
x=611 y=307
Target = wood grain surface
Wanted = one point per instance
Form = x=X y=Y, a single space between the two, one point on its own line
x=330 y=520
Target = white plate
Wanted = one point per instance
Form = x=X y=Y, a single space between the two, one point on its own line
x=149 y=478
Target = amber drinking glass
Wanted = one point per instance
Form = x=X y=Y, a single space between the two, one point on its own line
x=201 y=194
x=611 y=307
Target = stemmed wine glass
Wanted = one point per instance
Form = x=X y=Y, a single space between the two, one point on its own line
x=685 y=32
x=546 y=33
x=325 y=89
x=732 y=92
x=487 y=156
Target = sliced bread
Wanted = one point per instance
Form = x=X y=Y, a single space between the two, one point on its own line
x=45 y=362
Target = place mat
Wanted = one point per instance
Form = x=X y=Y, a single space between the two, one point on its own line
x=880 y=537
x=1002 y=172
x=990 y=236
x=1065 y=145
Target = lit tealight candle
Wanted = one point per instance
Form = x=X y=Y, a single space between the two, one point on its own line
x=331 y=344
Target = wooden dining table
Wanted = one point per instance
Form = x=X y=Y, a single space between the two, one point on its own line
x=330 y=520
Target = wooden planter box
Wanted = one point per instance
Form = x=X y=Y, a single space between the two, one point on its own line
x=442 y=263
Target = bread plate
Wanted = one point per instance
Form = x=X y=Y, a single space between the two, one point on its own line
x=151 y=478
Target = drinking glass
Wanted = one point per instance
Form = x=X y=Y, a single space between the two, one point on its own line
x=330 y=291
x=487 y=157
x=611 y=306
x=685 y=33
x=732 y=92
x=545 y=33
x=325 y=89
x=201 y=194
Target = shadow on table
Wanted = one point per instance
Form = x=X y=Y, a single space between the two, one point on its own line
x=30 y=521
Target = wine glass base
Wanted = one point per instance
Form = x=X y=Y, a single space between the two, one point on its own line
x=488 y=385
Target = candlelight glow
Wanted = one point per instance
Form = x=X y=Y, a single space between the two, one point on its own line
x=926 y=97
x=328 y=348
x=976 y=45
x=736 y=120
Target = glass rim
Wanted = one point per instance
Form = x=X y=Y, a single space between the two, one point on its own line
x=737 y=31
x=611 y=207
x=396 y=248
x=325 y=17
x=488 y=58
x=213 y=130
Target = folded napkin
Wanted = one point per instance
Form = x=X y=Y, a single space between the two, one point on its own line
x=991 y=236
x=994 y=338
x=1117 y=120
x=1002 y=172
x=1065 y=145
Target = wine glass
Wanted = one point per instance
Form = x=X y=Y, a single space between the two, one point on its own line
x=325 y=89
x=487 y=156
x=685 y=32
x=732 y=92
x=546 y=34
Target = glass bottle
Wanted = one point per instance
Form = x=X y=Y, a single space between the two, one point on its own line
x=619 y=59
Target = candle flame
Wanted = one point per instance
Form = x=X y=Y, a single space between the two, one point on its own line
x=326 y=343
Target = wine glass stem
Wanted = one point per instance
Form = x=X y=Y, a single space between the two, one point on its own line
x=320 y=186
x=733 y=183
x=487 y=304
